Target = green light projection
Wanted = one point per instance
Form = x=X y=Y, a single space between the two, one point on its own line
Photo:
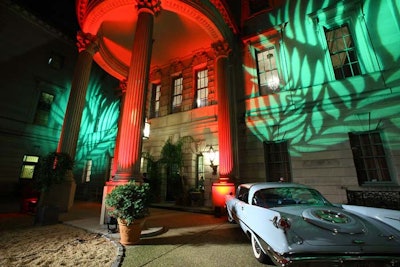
x=98 y=129
x=313 y=110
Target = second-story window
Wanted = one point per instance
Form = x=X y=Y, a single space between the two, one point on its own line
x=342 y=52
x=268 y=76
x=43 y=108
x=155 y=100
x=177 y=95
x=201 y=88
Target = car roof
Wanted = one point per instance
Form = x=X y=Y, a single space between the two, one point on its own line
x=264 y=185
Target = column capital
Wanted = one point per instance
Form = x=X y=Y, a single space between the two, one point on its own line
x=121 y=89
x=152 y=6
x=88 y=42
x=122 y=85
x=221 y=48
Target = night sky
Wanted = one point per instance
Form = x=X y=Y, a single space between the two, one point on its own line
x=57 y=13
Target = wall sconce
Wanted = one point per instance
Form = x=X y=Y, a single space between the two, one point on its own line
x=146 y=130
x=211 y=154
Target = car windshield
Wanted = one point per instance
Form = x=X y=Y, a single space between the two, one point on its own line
x=284 y=196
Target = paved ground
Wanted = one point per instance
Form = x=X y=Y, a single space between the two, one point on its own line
x=173 y=237
x=188 y=238
x=191 y=239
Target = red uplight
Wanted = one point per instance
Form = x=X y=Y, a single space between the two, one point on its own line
x=219 y=192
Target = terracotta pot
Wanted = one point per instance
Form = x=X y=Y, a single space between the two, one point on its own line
x=130 y=234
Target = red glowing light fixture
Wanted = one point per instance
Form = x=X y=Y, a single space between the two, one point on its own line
x=219 y=192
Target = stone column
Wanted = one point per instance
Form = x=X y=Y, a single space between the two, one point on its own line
x=222 y=51
x=62 y=195
x=128 y=147
x=132 y=120
x=122 y=87
x=87 y=46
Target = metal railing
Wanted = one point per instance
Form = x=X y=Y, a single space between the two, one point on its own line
x=377 y=199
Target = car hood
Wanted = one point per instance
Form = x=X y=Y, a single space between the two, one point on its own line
x=332 y=226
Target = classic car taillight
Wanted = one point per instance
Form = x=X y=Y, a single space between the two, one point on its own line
x=281 y=223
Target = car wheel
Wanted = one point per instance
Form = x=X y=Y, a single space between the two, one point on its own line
x=257 y=251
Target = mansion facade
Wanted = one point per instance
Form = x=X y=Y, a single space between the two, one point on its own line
x=254 y=91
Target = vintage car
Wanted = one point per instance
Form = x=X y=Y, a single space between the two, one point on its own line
x=294 y=225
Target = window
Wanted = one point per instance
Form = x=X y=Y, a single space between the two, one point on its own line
x=200 y=171
x=268 y=77
x=369 y=157
x=155 y=100
x=342 y=52
x=177 y=96
x=243 y=194
x=277 y=161
x=201 y=88
x=43 y=109
x=87 y=171
x=28 y=166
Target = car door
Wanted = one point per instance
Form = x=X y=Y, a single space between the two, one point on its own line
x=241 y=207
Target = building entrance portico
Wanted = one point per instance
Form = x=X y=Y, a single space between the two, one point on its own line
x=137 y=37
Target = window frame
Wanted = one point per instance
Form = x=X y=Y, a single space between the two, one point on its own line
x=155 y=100
x=272 y=38
x=366 y=158
x=43 y=109
x=200 y=171
x=273 y=157
x=352 y=62
x=267 y=88
x=176 y=95
x=87 y=171
x=26 y=162
x=198 y=101
x=352 y=15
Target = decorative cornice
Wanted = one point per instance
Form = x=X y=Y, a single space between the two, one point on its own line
x=194 y=14
x=221 y=49
x=110 y=64
x=88 y=42
x=221 y=6
x=154 y=6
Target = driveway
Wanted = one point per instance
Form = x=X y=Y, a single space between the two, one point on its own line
x=191 y=239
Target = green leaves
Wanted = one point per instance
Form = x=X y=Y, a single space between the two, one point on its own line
x=129 y=201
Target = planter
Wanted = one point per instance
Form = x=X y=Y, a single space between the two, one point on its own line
x=196 y=199
x=130 y=234
x=46 y=215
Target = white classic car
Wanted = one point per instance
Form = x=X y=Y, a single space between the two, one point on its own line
x=293 y=224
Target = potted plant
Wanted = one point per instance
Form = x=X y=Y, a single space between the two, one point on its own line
x=129 y=204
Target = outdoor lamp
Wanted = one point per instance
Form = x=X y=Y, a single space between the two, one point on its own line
x=112 y=225
x=211 y=154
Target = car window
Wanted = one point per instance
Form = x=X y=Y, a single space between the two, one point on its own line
x=284 y=196
x=243 y=194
